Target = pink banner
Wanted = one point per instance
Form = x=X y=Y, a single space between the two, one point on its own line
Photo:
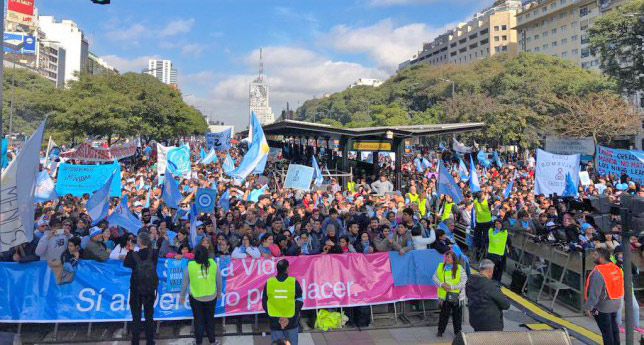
x=342 y=280
x=86 y=152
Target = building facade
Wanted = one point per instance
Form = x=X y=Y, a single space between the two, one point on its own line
x=67 y=35
x=163 y=70
x=258 y=96
x=490 y=32
x=96 y=65
x=51 y=61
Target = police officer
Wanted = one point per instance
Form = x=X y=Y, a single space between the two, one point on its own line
x=497 y=244
x=604 y=291
x=282 y=301
x=205 y=287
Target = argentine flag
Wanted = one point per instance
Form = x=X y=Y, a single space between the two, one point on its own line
x=98 y=205
x=317 y=173
x=254 y=160
x=475 y=186
x=228 y=165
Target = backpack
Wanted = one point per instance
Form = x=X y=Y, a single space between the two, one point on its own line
x=145 y=274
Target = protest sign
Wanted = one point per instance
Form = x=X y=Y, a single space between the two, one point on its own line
x=205 y=200
x=219 y=141
x=584 y=179
x=569 y=145
x=100 y=290
x=87 y=152
x=298 y=177
x=615 y=162
x=174 y=274
x=162 y=158
x=550 y=175
x=178 y=161
x=78 y=179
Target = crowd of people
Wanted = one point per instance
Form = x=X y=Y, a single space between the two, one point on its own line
x=364 y=215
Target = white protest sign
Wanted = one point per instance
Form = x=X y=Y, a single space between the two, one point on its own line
x=584 y=178
x=299 y=177
x=551 y=171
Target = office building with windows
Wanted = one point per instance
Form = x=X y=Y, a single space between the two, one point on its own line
x=163 y=70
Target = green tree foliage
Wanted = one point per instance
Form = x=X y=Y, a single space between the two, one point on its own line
x=106 y=105
x=618 y=37
x=514 y=96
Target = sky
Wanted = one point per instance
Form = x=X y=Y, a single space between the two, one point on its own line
x=310 y=47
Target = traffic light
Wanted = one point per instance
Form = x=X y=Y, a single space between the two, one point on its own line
x=101 y=2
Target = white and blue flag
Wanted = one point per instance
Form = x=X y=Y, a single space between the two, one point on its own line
x=99 y=204
x=228 y=165
x=475 y=186
x=124 y=218
x=447 y=186
x=170 y=192
x=254 y=160
x=208 y=158
x=317 y=173
x=45 y=188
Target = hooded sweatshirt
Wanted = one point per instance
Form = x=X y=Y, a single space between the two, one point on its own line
x=485 y=303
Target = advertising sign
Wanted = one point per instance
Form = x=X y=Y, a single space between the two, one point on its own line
x=371 y=146
x=20 y=11
x=17 y=43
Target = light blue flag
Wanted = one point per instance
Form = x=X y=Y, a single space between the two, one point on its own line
x=298 y=177
x=202 y=153
x=228 y=165
x=475 y=186
x=193 y=225
x=482 y=158
x=98 y=204
x=419 y=164
x=497 y=160
x=18 y=185
x=317 y=173
x=462 y=170
x=170 y=193
x=147 y=199
x=441 y=146
x=205 y=200
x=179 y=160
x=45 y=189
x=210 y=157
x=447 y=186
x=5 y=148
x=224 y=201
x=426 y=163
x=570 y=189
x=124 y=218
x=255 y=159
x=508 y=189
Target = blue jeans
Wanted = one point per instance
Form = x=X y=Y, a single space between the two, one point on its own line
x=290 y=334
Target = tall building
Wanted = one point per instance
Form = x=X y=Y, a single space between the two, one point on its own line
x=163 y=70
x=258 y=97
x=488 y=33
x=560 y=28
x=51 y=61
x=68 y=36
x=96 y=65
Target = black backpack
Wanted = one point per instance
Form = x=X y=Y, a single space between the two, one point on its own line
x=145 y=274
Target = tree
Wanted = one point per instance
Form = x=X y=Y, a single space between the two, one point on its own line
x=618 y=37
x=604 y=116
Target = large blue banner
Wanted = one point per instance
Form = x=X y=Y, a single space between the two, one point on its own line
x=179 y=161
x=615 y=162
x=78 y=179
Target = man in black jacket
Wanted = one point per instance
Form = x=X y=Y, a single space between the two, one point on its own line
x=143 y=289
x=486 y=302
x=281 y=290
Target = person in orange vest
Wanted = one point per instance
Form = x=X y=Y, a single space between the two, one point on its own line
x=604 y=291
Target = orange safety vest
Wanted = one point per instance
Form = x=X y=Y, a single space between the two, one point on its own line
x=613 y=278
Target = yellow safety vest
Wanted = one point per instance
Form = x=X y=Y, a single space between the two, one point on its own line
x=413 y=198
x=422 y=206
x=281 y=297
x=447 y=211
x=497 y=242
x=447 y=278
x=351 y=186
x=201 y=285
x=483 y=214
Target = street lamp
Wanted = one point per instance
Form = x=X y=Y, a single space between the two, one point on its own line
x=453 y=85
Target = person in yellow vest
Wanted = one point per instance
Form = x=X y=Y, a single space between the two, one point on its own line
x=483 y=218
x=282 y=301
x=450 y=277
x=498 y=243
x=448 y=209
x=604 y=291
x=205 y=283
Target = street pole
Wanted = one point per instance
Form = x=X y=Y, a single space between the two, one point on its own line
x=13 y=92
x=626 y=215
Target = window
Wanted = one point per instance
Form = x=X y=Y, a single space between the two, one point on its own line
x=496 y=38
x=562 y=2
x=554 y=44
x=585 y=52
x=583 y=27
x=497 y=49
x=585 y=39
x=594 y=62
x=553 y=5
x=504 y=27
x=496 y=28
x=573 y=25
x=564 y=55
x=504 y=48
x=527 y=15
x=553 y=31
x=544 y=34
x=452 y=45
x=564 y=41
x=483 y=32
x=529 y=39
x=452 y=53
x=473 y=36
x=545 y=46
x=585 y=65
x=564 y=28
x=461 y=41
x=485 y=41
x=573 y=38
x=536 y=49
x=504 y=38
x=562 y=15
x=544 y=9
x=583 y=11
x=462 y=50
x=476 y=54
x=474 y=45
x=528 y=51
x=536 y=37
x=575 y=52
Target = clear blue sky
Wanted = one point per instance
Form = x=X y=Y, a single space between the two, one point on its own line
x=310 y=46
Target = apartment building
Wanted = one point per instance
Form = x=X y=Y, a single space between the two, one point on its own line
x=560 y=28
x=490 y=32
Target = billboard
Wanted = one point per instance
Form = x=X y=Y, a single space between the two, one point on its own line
x=20 y=11
x=18 y=43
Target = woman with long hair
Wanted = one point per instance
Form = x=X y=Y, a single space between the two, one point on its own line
x=205 y=283
x=450 y=277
